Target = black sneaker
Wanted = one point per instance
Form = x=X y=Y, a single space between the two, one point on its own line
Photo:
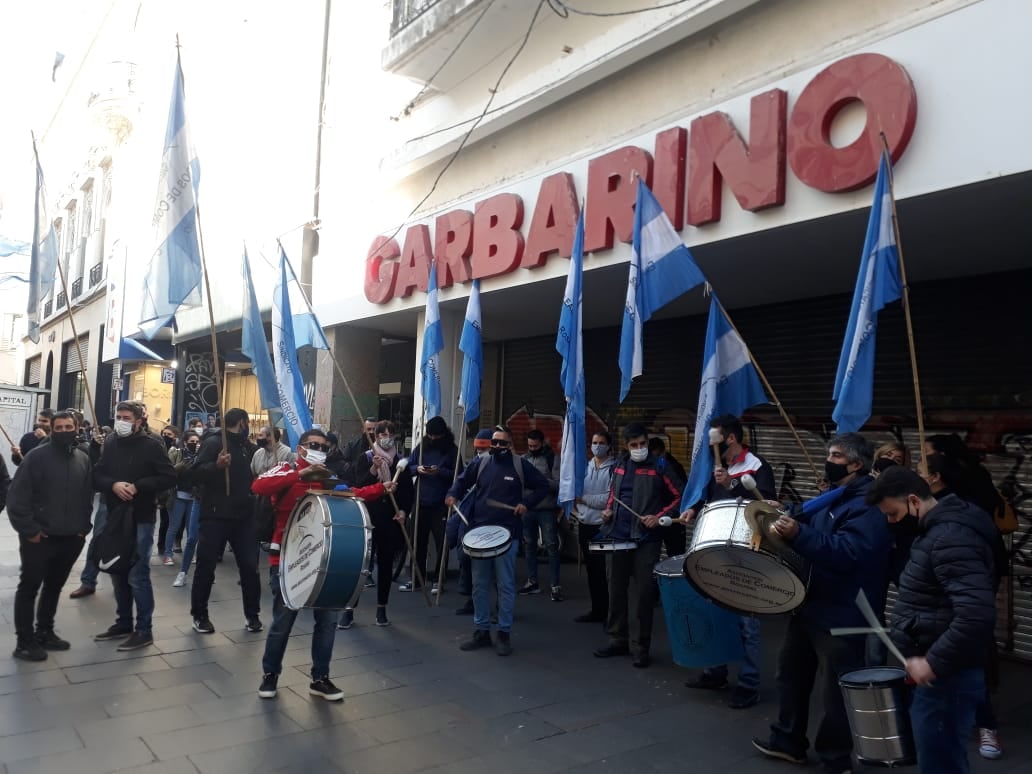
x=612 y=650
x=529 y=588
x=481 y=639
x=466 y=609
x=768 y=749
x=114 y=632
x=708 y=682
x=557 y=594
x=503 y=647
x=347 y=619
x=50 y=641
x=743 y=698
x=136 y=641
x=267 y=690
x=203 y=626
x=590 y=618
x=30 y=650
x=381 y=616
x=327 y=690
x=254 y=624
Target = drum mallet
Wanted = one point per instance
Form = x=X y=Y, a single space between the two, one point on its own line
x=715 y=439
x=402 y=464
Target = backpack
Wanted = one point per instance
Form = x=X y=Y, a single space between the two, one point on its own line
x=115 y=546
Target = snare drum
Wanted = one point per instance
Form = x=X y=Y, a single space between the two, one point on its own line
x=876 y=703
x=722 y=565
x=486 y=542
x=325 y=552
x=612 y=545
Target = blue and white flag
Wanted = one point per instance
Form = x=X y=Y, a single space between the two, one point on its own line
x=253 y=343
x=433 y=343
x=292 y=402
x=878 y=284
x=662 y=268
x=9 y=247
x=174 y=275
x=307 y=331
x=574 y=457
x=43 y=261
x=471 y=344
x=730 y=385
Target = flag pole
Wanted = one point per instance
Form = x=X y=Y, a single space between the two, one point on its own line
x=78 y=345
x=906 y=308
x=10 y=442
x=455 y=475
x=419 y=483
x=770 y=391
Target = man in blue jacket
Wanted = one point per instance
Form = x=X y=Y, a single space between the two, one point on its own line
x=503 y=494
x=848 y=545
x=944 y=614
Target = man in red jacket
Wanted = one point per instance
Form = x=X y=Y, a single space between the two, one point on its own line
x=285 y=485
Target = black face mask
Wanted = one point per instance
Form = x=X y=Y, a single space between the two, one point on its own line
x=835 y=471
x=883 y=464
x=63 y=438
x=498 y=451
x=262 y=442
x=192 y=446
x=169 y=442
x=537 y=452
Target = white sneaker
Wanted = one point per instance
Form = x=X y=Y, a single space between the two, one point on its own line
x=989 y=744
x=180 y=580
x=168 y=561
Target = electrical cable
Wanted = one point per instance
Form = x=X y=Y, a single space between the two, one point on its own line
x=563 y=11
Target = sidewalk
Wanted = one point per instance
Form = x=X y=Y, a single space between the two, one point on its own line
x=414 y=702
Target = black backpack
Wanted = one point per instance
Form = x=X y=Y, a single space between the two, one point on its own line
x=116 y=544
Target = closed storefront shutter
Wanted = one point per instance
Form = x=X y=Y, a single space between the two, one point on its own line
x=72 y=363
x=35 y=371
x=974 y=382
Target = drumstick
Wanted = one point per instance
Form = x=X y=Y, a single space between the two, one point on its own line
x=461 y=514
x=715 y=439
x=499 y=504
x=629 y=508
x=402 y=464
x=876 y=627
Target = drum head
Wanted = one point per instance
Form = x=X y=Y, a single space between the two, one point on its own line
x=744 y=580
x=302 y=559
x=672 y=567
x=860 y=678
x=486 y=538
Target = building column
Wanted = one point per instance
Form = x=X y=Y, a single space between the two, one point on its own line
x=358 y=352
x=449 y=364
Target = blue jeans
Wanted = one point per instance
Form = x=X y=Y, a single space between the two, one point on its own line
x=942 y=715
x=136 y=585
x=547 y=522
x=503 y=568
x=191 y=511
x=283 y=621
x=749 y=670
x=90 y=571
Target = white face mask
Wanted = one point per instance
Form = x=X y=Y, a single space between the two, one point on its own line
x=315 y=457
x=123 y=427
x=600 y=449
x=639 y=455
x=386 y=443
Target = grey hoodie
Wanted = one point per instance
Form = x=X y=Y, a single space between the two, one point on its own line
x=596 y=490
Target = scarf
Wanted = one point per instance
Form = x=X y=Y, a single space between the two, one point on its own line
x=381 y=463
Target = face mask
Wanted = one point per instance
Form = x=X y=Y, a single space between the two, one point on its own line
x=386 y=443
x=883 y=464
x=245 y=431
x=499 y=451
x=315 y=457
x=192 y=446
x=536 y=452
x=169 y=442
x=600 y=449
x=64 y=438
x=262 y=442
x=835 y=471
x=639 y=455
x=123 y=428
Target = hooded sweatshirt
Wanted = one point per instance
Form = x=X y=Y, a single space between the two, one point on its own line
x=596 y=490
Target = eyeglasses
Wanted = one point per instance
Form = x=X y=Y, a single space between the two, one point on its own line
x=499 y=442
x=316 y=446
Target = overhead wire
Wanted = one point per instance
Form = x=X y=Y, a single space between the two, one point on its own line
x=563 y=11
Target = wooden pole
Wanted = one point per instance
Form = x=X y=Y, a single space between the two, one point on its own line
x=78 y=346
x=10 y=442
x=773 y=395
x=444 y=543
x=921 y=466
x=419 y=483
x=419 y=571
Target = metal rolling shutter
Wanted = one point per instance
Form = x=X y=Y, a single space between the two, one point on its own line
x=72 y=354
x=35 y=371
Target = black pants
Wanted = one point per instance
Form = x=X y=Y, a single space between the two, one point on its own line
x=595 y=562
x=214 y=534
x=163 y=521
x=47 y=564
x=674 y=538
x=622 y=566
x=431 y=522
x=807 y=648
x=388 y=539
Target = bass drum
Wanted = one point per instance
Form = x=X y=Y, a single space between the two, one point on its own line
x=722 y=565
x=325 y=552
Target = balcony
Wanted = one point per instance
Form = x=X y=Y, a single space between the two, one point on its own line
x=62 y=301
x=48 y=309
x=406 y=11
x=96 y=274
x=113 y=102
x=425 y=32
x=77 y=288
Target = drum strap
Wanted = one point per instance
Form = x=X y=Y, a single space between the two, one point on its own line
x=517 y=463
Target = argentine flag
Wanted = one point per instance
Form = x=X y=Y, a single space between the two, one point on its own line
x=574 y=457
x=662 y=268
x=730 y=385
x=174 y=274
x=252 y=342
x=433 y=343
x=43 y=256
x=292 y=402
x=878 y=284
x=471 y=344
x=307 y=331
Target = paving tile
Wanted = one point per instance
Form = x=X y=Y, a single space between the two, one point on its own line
x=514 y=732
x=248 y=682
x=95 y=733
x=90 y=692
x=404 y=757
x=312 y=712
x=136 y=666
x=191 y=640
x=575 y=713
x=189 y=674
x=174 y=766
x=406 y=724
x=96 y=760
x=37 y=743
x=227 y=708
x=593 y=744
x=33 y=716
x=269 y=755
x=212 y=736
x=151 y=700
x=27 y=681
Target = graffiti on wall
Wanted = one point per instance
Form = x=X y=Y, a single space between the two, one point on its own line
x=200 y=389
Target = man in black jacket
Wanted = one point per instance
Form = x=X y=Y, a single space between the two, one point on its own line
x=226 y=517
x=133 y=469
x=49 y=505
x=30 y=441
x=944 y=613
